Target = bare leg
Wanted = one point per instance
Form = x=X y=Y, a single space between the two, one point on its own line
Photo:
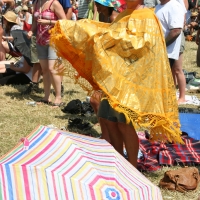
x=46 y=79
x=95 y=104
x=131 y=141
x=120 y=133
x=56 y=81
x=104 y=130
x=115 y=135
x=179 y=76
x=36 y=73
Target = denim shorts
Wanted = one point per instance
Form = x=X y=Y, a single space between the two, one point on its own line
x=46 y=52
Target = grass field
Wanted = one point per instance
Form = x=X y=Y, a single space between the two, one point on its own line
x=17 y=119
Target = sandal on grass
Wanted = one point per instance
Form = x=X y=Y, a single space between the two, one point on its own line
x=42 y=101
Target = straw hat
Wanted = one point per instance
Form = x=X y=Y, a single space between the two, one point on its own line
x=10 y=16
x=25 y=8
x=194 y=14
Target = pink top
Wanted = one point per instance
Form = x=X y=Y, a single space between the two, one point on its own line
x=43 y=35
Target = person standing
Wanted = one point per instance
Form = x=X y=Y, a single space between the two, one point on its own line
x=127 y=60
x=172 y=21
x=83 y=9
x=46 y=13
x=27 y=18
x=177 y=69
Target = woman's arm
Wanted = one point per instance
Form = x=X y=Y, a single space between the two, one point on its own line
x=46 y=21
x=58 y=9
x=6 y=38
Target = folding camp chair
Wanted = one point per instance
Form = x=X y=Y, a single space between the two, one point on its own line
x=22 y=44
x=13 y=54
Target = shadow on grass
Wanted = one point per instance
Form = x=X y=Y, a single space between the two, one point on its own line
x=22 y=88
x=90 y=132
x=92 y=120
x=71 y=92
x=19 y=96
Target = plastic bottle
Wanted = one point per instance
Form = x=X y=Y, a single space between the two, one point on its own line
x=31 y=103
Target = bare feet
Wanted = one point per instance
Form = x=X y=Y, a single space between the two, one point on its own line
x=181 y=101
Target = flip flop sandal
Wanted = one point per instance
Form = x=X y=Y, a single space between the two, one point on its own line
x=42 y=101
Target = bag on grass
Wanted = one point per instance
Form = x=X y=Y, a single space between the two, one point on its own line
x=182 y=180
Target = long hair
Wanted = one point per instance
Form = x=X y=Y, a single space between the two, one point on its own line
x=8 y=27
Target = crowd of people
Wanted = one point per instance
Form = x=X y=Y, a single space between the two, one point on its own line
x=130 y=67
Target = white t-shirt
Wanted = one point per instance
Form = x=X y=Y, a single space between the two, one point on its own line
x=171 y=16
x=183 y=6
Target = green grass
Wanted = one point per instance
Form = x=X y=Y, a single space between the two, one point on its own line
x=17 y=119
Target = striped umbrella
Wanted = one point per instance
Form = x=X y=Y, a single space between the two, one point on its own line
x=54 y=164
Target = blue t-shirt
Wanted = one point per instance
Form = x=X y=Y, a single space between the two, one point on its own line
x=65 y=3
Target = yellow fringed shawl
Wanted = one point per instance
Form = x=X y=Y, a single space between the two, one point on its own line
x=127 y=60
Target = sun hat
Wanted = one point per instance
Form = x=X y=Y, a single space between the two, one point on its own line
x=106 y=3
x=194 y=14
x=118 y=5
x=18 y=9
x=25 y=8
x=10 y=16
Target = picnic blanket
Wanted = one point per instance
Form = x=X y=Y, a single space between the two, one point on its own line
x=155 y=154
x=190 y=124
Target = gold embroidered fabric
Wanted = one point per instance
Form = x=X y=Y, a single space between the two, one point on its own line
x=127 y=60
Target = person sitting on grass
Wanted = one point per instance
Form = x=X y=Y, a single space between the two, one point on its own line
x=19 y=73
x=10 y=24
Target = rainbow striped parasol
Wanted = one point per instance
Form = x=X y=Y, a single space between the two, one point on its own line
x=51 y=164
